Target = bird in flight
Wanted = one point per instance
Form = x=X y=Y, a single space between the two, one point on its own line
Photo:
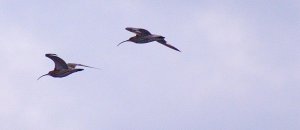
x=144 y=36
x=62 y=69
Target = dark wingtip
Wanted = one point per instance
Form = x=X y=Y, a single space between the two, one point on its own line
x=129 y=28
x=50 y=54
x=177 y=49
x=80 y=69
x=162 y=37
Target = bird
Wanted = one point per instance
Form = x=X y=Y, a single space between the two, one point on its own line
x=62 y=69
x=144 y=36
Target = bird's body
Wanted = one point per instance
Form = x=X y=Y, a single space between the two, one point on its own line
x=144 y=36
x=63 y=72
x=62 y=69
x=146 y=39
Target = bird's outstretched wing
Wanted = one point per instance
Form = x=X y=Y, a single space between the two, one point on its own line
x=73 y=65
x=164 y=42
x=138 y=31
x=59 y=63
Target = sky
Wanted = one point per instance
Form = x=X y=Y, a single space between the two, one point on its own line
x=238 y=70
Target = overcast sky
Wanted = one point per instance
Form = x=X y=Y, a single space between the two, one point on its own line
x=238 y=70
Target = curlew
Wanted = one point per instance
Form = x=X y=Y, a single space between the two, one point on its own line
x=144 y=36
x=62 y=69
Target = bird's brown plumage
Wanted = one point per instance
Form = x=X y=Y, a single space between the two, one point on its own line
x=144 y=36
x=59 y=63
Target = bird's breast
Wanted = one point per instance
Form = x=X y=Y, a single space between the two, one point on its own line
x=144 y=39
x=62 y=73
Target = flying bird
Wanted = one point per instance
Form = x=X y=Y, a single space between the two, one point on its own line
x=62 y=69
x=144 y=36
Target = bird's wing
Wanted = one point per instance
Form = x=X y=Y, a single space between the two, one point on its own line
x=164 y=42
x=138 y=31
x=73 y=65
x=59 y=63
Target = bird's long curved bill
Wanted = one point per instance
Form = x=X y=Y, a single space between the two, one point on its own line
x=122 y=42
x=42 y=76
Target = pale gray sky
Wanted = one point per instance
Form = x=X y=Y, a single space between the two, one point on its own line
x=239 y=69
